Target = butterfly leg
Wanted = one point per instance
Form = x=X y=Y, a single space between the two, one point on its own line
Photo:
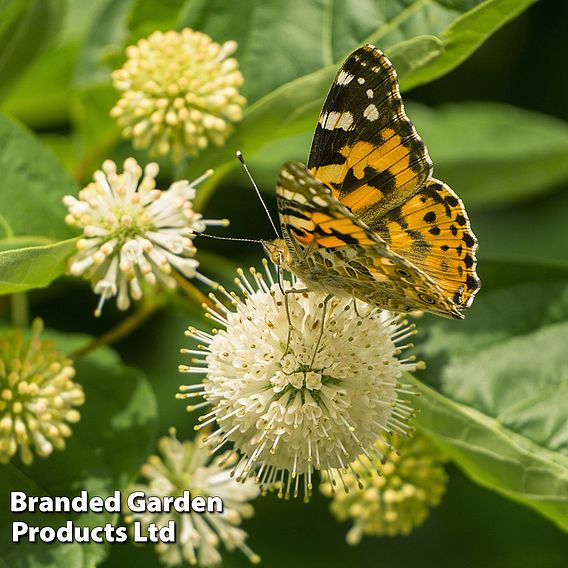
x=322 y=327
x=355 y=307
x=287 y=306
x=368 y=314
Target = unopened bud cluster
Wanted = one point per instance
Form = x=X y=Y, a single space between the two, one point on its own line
x=179 y=92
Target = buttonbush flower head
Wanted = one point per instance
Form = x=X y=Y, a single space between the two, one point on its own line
x=413 y=480
x=179 y=91
x=37 y=396
x=134 y=233
x=287 y=411
x=186 y=466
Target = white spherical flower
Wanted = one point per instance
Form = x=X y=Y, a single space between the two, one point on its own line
x=187 y=467
x=179 y=91
x=288 y=409
x=37 y=396
x=134 y=233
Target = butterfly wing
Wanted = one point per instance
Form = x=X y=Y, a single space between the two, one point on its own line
x=331 y=247
x=432 y=231
x=365 y=148
x=367 y=151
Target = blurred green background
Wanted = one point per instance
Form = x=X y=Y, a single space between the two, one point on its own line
x=510 y=166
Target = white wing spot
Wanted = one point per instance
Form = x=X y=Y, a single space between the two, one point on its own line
x=344 y=78
x=361 y=80
x=333 y=120
x=370 y=93
x=371 y=113
x=319 y=201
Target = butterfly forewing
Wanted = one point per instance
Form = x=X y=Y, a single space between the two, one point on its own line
x=365 y=148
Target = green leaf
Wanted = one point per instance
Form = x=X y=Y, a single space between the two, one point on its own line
x=25 y=28
x=34 y=241
x=32 y=185
x=104 y=50
x=308 y=41
x=33 y=267
x=466 y=34
x=42 y=96
x=147 y=16
x=493 y=154
x=108 y=445
x=501 y=385
x=299 y=38
x=534 y=230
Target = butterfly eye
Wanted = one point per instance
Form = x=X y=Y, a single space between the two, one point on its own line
x=427 y=299
x=402 y=272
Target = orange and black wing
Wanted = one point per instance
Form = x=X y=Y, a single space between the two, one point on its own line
x=365 y=149
x=311 y=217
x=432 y=231
x=332 y=245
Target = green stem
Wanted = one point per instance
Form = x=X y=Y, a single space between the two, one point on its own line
x=124 y=328
x=20 y=309
x=191 y=291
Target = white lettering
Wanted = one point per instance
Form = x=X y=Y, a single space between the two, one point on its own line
x=18 y=501
x=198 y=504
x=112 y=503
x=136 y=502
x=214 y=505
x=18 y=529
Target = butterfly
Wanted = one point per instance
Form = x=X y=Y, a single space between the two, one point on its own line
x=366 y=219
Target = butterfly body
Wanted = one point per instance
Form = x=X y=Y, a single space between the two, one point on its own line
x=365 y=219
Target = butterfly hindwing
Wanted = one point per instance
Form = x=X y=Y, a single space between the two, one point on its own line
x=365 y=148
x=432 y=231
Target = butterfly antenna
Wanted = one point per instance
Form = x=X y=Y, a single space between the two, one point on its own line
x=242 y=240
x=242 y=160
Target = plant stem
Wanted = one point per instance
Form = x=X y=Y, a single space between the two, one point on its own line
x=20 y=309
x=124 y=328
x=191 y=291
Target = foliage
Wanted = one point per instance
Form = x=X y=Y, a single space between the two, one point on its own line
x=494 y=391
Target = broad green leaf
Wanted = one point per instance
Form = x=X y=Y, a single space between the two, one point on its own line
x=25 y=28
x=299 y=38
x=501 y=378
x=304 y=41
x=42 y=96
x=535 y=229
x=95 y=96
x=466 y=34
x=32 y=186
x=147 y=16
x=108 y=445
x=34 y=266
x=491 y=153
